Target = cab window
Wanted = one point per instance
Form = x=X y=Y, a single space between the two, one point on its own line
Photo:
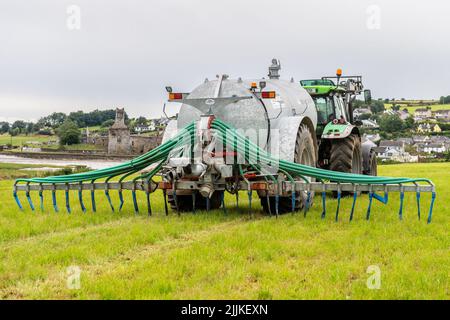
x=325 y=109
x=340 y=109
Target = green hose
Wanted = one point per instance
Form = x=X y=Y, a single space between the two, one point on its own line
x=241 y=145
x=223 y=129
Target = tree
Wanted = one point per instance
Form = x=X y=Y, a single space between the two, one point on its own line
x=93 y=118
x=141 y=121
x=68 y=133
x=107 y=123
x=4 y=127
x=377 y=106
x=29 y=128
x=54 y=120
x=390 y=123
x=409 y=124
x=19 y=124
x=14 y=132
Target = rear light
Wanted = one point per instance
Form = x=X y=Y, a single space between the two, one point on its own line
x=250 y=175
x=164 y=185
x=268 y=94
x=258 y=186
x=175 y=96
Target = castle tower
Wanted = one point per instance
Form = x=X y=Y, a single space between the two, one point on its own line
x=119 y=140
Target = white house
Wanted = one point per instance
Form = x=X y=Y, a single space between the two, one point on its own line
x=431 y=148
x=370 y=124
x=422 y=114
x=360 y=111
x=372 y=137
x=442 y=115
x=426 y=127
x=394 y=151
x=399 y=146
x=145 y=128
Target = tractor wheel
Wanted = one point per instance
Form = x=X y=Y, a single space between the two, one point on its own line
x=346 y=156
x=305 y=153
x=184 y=201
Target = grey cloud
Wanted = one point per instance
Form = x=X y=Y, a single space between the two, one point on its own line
x=127 y=51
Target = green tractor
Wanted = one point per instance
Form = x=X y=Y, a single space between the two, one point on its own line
x=338 y=134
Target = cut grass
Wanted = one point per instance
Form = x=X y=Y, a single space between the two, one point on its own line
x=213 y=255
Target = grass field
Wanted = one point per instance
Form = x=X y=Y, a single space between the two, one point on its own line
x=413 y=108
x=76 y=147
x=14 y=170
x=215 y=256
x=21 y=140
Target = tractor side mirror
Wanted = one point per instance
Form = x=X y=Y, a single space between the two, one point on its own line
x=367 y=96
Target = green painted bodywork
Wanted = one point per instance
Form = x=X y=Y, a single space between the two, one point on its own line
x=337 y=131
x=323 y=87
x=322 y=90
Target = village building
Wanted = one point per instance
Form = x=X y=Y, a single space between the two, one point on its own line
x=370 y=124
x=431 y=148
x=360 y=111
x=442 y=115
x=394 y=151
x=406 y=141
x=421 y=114
x=427 y=128
x=372 y=137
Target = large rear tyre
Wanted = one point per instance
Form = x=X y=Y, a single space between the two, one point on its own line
x=185 y=203
x=346 y=156
x=305 y=153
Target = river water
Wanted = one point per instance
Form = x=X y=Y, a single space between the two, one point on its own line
x=93 y=164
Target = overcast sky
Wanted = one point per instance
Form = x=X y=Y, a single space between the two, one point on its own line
x=125 y=52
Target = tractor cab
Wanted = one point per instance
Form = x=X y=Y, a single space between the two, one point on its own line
x=329 y=101
x=333 y=97
x=340 y=144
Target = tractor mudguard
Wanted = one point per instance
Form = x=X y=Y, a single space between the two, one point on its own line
x=366 y=153
x=337 y=131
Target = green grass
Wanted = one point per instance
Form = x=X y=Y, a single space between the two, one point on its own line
x=213 y=255
x=76 y=147
x=22 y=139
x=413 y=108
x=15 y=170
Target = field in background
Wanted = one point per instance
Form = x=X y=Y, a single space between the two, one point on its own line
x=76 y=147
x=413 y=108
x=15 y=170
x=218 y=256
x=21 y=140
